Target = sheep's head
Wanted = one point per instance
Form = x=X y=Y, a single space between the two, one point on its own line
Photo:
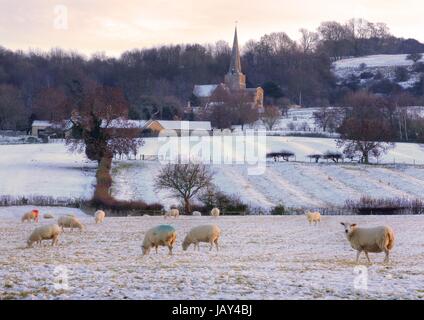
x=185 y=244
x=348 y=226
x=145 y=249
x=29 y=243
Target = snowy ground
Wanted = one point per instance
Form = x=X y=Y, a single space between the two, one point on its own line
x=45 y=170
x=261 y=257
x=306 y=185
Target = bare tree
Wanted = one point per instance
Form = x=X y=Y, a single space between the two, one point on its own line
x=327 y=118
x=308 y=40
x=184 y=181
x=270 y=117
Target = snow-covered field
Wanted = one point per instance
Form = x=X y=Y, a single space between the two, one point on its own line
x=49 y=170
x=261 y=257
x=299 y=185
x=45 y=170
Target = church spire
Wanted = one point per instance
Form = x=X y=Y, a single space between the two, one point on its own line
x=235 y=65
x=235 y=79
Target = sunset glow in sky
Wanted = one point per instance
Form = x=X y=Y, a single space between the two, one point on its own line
x=113 y=26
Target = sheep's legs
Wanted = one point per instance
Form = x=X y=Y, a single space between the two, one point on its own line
x=357 y=256
x=170 y=250
x=386 y=258
x=216 y=244
x=156 y=249
x=366 y=254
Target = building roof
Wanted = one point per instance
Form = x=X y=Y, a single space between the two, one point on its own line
x=183 y=125
x=235 y=64
x=41 y=123
x=123 y=123
x=205 y=90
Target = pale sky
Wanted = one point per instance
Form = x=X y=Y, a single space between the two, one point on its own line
x=114 y=26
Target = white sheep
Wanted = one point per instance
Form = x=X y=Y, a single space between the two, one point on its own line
x=162 y=235
x=70 y=221
x=215 y=212
x=206 y=233
x=314 y=217
x=172 y=213
x=99 y=216
x=377 y=239
x=197 y=213
x=29 y=216
x=48 y=216
x=46 y=232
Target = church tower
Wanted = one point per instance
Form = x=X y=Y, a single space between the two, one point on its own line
x=235 y=79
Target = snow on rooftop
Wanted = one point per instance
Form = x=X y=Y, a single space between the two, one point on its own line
x=41 y=123
x=185 y=125
x=204 y=90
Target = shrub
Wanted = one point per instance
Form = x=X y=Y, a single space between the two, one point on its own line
x=315 y=156
x=278 y=210
x=401 y=74
x=366 y=75
x=286 y=155
x=335 y=156
x=214 y=198
x=367 y=205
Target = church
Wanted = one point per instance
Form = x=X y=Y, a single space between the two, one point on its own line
x=234 y=83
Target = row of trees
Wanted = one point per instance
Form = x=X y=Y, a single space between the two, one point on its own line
x=157 y=82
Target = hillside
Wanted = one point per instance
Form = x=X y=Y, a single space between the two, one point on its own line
x=49 y=170
x=370 y=68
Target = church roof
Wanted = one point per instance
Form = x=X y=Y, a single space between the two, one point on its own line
x=235 y=64
x=203 y=91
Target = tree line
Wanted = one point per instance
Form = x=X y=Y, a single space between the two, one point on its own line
x=157 y=82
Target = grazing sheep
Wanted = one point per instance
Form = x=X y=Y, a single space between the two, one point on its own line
x=47 y=216
x=47 y=232
x=197 y=213
x=314 y=217
x=32 y=215
x=172 y=213
x=70 y=221
x=99 y=216
x=206 y=233
x=162 y=235
x=376 y=239
x=215 y=212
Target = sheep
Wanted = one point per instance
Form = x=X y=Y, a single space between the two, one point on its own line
x=162 y=235
x=69 y=221
x=197 y=213
x=204 y=233
x=47 y=216
x=99 y=216
x=46 y=232
x=172 y=213
x=377 y=239
x=314 y=217
x=32 y=215
x=215 y=212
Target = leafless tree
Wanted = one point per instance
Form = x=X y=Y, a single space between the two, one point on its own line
x=270 y=117
x=184 y=181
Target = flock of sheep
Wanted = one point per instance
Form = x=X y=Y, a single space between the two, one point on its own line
x=162 y=235
x=375 y=240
